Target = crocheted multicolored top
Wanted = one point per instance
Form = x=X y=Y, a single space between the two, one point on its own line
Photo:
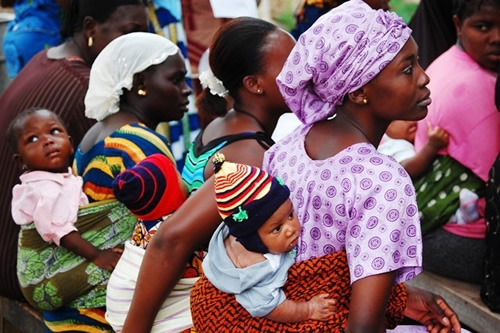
x=121 y=150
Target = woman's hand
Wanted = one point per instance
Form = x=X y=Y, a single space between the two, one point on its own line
x=431 y=310
x=107 y=259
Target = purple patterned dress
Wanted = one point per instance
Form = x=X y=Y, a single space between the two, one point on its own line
x=358 y=200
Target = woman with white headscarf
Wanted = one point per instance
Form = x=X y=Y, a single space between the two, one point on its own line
x=136 y=82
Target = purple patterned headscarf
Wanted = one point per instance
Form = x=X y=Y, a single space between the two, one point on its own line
x=341 y=52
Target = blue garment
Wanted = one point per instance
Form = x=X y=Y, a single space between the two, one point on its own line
x=35 y=27
x=257 y=287
x=311 y=14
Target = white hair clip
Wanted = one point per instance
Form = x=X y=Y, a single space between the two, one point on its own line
x=216 y=87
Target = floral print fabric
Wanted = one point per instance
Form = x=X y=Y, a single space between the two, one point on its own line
x=51 y=276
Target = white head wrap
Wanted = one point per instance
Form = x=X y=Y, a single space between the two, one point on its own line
x=210 y=81
x=114 y=69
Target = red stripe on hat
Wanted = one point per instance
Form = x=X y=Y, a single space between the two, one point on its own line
x=238 y=190
x=229 y=201
x=173 y=196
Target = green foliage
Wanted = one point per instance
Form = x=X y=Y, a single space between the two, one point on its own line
x=404 y=8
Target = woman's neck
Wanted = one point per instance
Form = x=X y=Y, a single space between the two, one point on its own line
x=134 y=113
x=263 y=118
x=361 y=129
x=73 y=47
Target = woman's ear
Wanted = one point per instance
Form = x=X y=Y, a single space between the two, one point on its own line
x=71 y=142
x=139 y=84
x=251 y=83
x=89 y=28
x=458 y=26
x=20 y=162
x=358 y=97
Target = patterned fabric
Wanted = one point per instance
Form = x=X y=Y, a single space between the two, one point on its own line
x=150 y=189
x=60 y=86
x=51 y=276
x=438 y=192
x=341 y=52
x=76 y=320
x=166 y=20
x=199 y=155
x=174 y=314
x=121 y=150
x=216 y=311
x=359 y=200
x=143 y=232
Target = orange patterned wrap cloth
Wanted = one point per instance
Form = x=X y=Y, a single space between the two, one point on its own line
x=216 y=311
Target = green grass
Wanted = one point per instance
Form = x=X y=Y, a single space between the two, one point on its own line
x=285 y=20
x=404 y=8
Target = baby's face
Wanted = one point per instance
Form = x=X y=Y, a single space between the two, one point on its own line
x=402 y=129
x=280 y=233
x=43 y=143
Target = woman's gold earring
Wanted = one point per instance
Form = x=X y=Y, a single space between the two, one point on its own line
x=365 y=101
x=259 y=91
x=90 y=41
x=141 y=92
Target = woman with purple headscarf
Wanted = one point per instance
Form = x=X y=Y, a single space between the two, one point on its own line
x=352 y=73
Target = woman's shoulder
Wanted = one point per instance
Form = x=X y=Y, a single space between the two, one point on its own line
x=63 y=74
x=364 y=160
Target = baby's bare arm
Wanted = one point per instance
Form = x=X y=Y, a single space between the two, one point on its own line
x=318 y=308
x=418 y=164
x=438 y=137
x=106 y=259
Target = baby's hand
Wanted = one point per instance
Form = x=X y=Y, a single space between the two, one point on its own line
x=108 y=258
x=321 y=308
x=438 y=137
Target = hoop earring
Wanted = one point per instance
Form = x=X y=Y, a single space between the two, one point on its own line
x=141 y=92
x=90 y=41
x=365 y=101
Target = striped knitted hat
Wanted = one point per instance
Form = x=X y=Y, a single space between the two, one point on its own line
x=150 y=189
x=246 y=198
